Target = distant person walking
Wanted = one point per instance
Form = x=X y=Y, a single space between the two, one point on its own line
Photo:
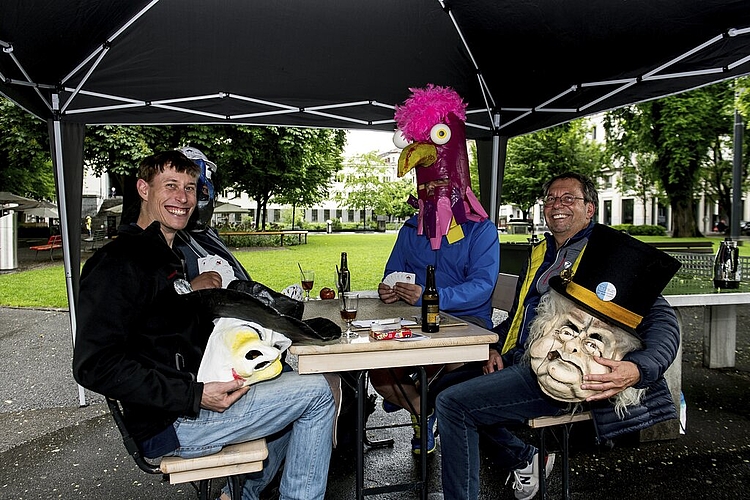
x=88 y=225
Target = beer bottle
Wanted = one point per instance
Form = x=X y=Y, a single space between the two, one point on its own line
x=344 y=283
x=430 y=304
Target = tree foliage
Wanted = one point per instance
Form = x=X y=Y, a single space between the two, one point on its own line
x=679 y=131
x=534 y=158
x=363 y=184
x=25 y=160
x=292 y=165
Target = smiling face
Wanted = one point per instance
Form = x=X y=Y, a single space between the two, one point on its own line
x=170 y=198
x=565 y=221
x=563 y=343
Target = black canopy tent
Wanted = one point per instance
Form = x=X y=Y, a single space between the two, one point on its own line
x=521 y=65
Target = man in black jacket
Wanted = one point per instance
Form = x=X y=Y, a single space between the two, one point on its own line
x=140 y=341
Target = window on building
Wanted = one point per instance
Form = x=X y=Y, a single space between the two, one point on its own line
x=326 y=214
x=628 y=211
x=607 y=213
x=314 y=215
x=338 y=214
x=362 y=215
x=350 y=215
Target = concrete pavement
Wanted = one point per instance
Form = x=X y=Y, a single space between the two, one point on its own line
x=52 y=448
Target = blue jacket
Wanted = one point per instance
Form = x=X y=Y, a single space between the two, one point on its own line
x=659 y=333
x=465 y=271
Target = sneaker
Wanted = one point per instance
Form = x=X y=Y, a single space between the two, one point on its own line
x=416 y=444
x=526 y=480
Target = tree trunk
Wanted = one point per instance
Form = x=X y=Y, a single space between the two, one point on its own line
x=263 y=214
x=683 y=216
x=294 y=210
x=257 y=212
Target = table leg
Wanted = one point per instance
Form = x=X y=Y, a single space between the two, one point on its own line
x=720 y=336
x=423 y=434
x=361 y=399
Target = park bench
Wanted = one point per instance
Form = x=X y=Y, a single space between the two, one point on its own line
x=701 y=247
x=54 y=241
x=227 y=236
x=96 y=239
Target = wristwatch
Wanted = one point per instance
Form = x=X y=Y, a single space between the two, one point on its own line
x=182 y=286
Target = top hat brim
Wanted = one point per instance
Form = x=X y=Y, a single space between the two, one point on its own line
x=226 y=303
x=595 y=306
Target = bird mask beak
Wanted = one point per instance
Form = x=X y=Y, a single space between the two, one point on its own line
x=416 y=154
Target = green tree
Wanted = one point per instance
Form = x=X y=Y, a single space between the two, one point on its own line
x=534 y=158
x=363 y=183
x=284 y=162
x=25 y=161
x=679 y=132
x=392 y=199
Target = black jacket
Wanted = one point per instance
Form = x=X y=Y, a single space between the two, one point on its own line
x=137 y=340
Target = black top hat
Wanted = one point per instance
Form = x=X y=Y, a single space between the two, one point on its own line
x=618 y=277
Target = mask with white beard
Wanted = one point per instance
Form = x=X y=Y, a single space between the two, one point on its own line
x=563 y=342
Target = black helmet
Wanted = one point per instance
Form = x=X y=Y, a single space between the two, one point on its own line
x=206 y=194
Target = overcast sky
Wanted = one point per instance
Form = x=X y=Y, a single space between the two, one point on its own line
x=363 y=141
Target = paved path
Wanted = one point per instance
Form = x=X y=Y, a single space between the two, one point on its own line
x=52 y=448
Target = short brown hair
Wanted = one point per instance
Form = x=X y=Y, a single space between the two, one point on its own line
x=590 y=195
x=156 y=163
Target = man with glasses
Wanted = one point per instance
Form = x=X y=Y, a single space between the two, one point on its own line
x=504 y=391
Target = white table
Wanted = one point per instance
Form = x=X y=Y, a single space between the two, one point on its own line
x=720 y=327
x=452 y=344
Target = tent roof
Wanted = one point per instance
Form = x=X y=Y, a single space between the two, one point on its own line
x=346 y=63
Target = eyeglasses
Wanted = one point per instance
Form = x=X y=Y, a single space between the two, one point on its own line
x=566 y=200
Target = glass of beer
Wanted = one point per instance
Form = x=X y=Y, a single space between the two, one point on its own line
x=307 y=280
x=348 y=309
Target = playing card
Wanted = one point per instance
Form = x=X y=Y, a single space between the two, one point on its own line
x=218 y=264
x=399 y=277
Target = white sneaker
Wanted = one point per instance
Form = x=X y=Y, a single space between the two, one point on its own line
x=526 y=480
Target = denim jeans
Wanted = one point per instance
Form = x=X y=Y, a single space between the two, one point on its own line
x=293 y=412
x=487 y=404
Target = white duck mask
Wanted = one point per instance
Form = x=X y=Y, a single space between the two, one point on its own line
x=239 y=349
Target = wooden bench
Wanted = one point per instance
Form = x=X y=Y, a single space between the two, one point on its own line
x=229 y=234
x=566 y=421
x=703 y=247
x=54 y=241
x=231 y=462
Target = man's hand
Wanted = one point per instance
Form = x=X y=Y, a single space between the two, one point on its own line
x=387 y=295
x=624 y=374
x=218 y=396
x=408 y=292
x=209 y=279
x=494 y=363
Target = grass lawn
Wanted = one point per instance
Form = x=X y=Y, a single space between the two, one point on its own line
x=274 y=267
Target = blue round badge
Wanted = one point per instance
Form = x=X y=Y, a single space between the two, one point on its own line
x=606 y=291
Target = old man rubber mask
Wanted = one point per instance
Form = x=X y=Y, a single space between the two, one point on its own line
x=243 y=350
x=563 y=342
x=432 y=134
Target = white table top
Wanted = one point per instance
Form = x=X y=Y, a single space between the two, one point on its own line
x=452 y=344
x=708 y=299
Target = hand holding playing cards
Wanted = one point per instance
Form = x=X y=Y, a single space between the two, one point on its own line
x=387 y=295
x=209 y=279
x=408 y=292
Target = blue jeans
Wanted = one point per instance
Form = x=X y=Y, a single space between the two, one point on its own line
x=488 y=403
x=293 y=412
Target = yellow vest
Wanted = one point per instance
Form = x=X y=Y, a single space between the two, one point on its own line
x=536 y=259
